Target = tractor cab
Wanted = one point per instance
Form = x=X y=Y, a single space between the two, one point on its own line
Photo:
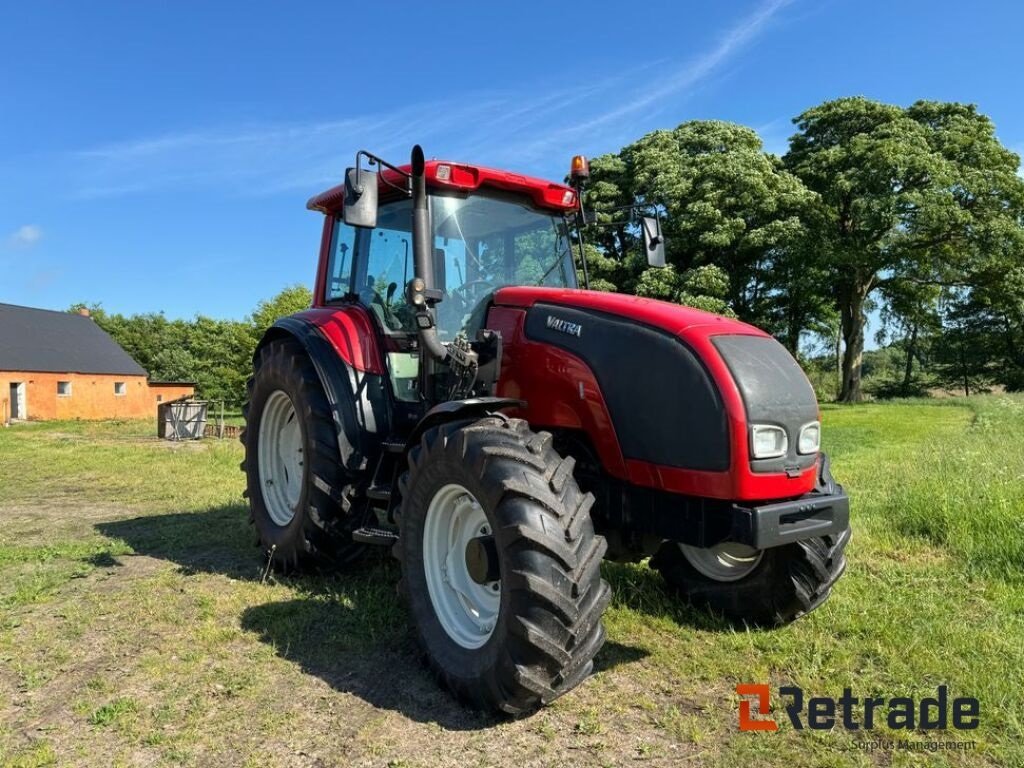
x=479 y=243
x=488 y=229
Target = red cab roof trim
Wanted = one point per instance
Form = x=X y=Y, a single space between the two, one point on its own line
x=442 y=174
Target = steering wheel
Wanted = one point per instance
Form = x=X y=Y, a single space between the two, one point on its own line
x=369 y=297
x=466 y=293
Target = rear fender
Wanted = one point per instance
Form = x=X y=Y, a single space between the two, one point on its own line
x=357 y=396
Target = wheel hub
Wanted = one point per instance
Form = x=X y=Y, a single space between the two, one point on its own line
x=728 y=561
x=460 y=562
x=482 y=559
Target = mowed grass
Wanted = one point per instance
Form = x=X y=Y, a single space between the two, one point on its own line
x=136 y=626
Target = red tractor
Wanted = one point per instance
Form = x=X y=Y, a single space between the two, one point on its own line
x=455 y=395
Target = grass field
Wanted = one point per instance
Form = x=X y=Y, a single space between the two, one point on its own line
x=136 y=628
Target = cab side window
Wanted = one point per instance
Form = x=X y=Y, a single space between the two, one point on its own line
x=389 y=266
x=385 y=266
x=339 y=268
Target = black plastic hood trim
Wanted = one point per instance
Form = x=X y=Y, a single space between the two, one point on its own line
x=664 y=404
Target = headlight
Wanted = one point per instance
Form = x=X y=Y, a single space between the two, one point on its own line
x=768 y=441
x=810 y=438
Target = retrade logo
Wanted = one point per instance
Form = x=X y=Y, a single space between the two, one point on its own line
x=764 y=707
x=854 y=713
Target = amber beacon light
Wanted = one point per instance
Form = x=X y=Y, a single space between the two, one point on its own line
x=579 y=169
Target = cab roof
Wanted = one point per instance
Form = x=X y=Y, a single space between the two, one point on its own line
x=444 y=174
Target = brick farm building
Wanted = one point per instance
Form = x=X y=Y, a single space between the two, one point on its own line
x=59 y=365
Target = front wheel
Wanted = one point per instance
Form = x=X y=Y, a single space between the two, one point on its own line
x=757 y=587
x=500 y=564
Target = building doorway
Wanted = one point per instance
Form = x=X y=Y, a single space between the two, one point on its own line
x=17 y=400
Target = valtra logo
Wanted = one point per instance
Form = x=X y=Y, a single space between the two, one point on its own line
x=564 y=326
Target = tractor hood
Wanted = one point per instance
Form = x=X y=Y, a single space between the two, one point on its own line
x=683 y=388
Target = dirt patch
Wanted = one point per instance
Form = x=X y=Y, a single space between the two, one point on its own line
x=54 y=519
x=133 y=440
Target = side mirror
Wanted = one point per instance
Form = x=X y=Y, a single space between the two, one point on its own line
x=360 y=198
x=654 y=243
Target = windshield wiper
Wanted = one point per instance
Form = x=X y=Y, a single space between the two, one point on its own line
x=559 y=254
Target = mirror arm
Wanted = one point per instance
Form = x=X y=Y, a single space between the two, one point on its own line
x=581 y=220
x=372 y=159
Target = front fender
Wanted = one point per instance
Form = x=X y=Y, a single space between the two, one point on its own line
x=474 y=407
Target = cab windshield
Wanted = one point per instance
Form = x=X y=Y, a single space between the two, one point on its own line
x=481 y=243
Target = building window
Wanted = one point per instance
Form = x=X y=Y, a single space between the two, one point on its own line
x=159 y=398
x=119 y=388
x=64 y=389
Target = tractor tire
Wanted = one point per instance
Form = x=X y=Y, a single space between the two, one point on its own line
x=527 y=631
x=786 y=582
x=759 y=588
x=297 y=489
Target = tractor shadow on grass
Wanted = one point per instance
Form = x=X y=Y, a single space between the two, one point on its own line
x=221 y=540
x=327 y=638
x=350 y=630
x=216 y=540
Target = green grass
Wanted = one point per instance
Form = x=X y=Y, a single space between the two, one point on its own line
x=136 y=628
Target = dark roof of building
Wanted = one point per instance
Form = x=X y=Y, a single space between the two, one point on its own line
x=59 y=342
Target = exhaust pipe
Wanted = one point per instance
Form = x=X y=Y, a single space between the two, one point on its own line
x=421 y=289
x=421 y=245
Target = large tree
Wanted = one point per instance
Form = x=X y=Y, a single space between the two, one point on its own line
x=732 y=215
x=728 y=203
x=920 y=194
x=294 y=298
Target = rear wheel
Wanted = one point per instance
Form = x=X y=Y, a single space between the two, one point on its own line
x=758 y=587
x=500 y=564
x=296 y=485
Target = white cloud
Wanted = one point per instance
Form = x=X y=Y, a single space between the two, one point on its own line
x=523 y=129
x=25 y=236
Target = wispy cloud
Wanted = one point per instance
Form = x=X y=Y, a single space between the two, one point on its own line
x=247 y=159
x=25 y=236
x=698 y=69
x=524 y=129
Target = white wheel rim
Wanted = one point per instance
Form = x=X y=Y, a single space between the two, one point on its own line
x=728 y=561
x=467 y=610
x=280 y=458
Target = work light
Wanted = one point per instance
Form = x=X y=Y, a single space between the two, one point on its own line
x=768 y=441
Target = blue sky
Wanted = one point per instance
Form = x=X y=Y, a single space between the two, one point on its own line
x=158 y=156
